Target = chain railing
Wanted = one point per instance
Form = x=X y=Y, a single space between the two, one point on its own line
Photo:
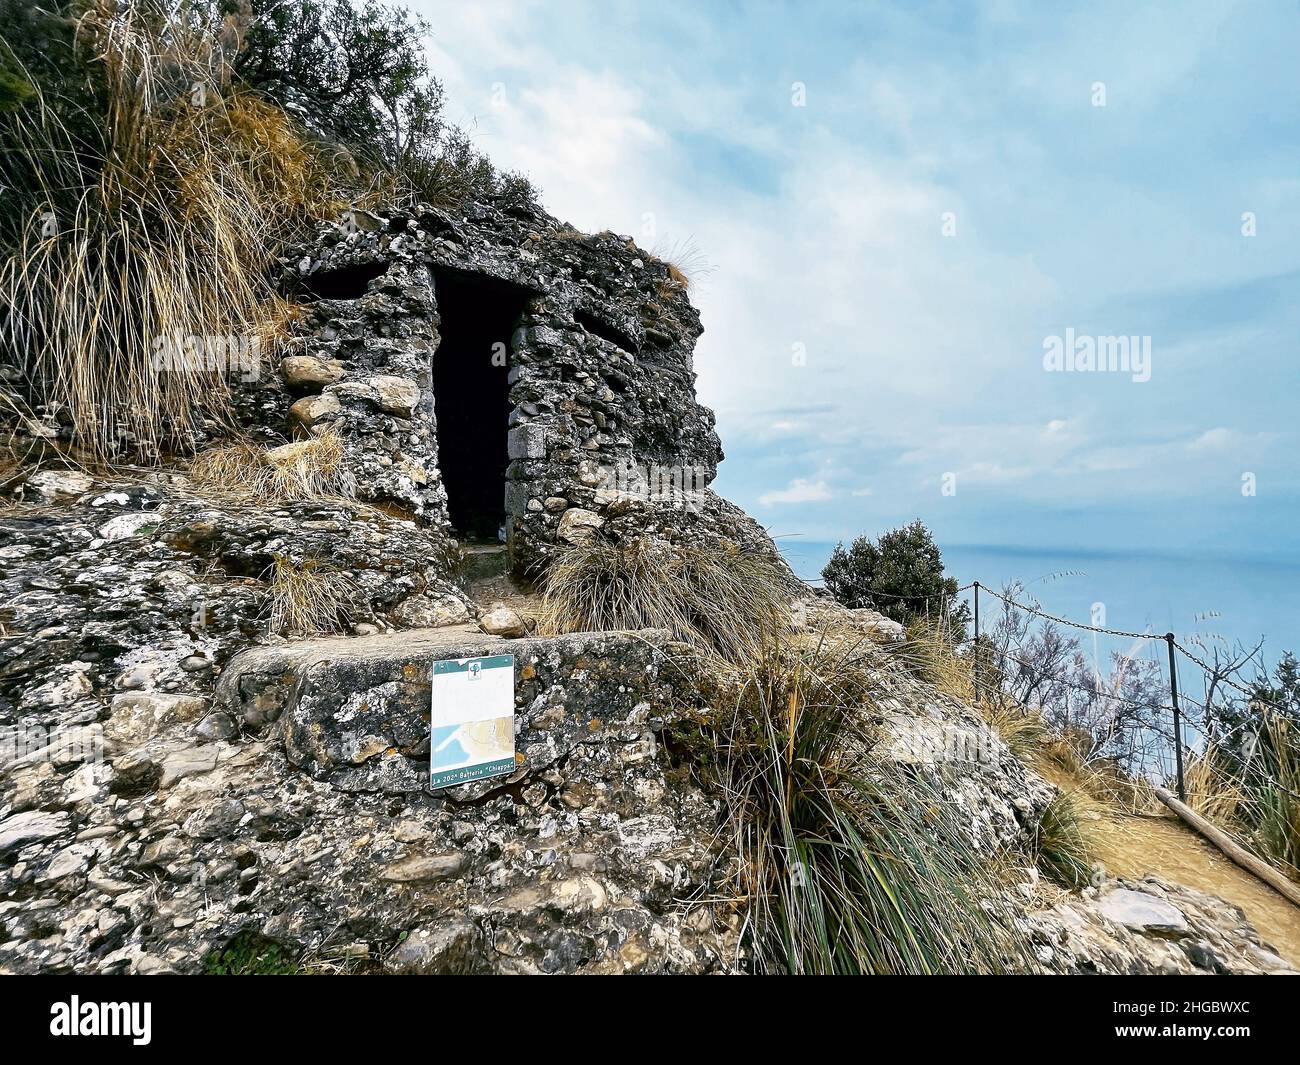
x=1176 y=698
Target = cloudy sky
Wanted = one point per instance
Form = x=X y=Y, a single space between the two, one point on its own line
x=889 y=209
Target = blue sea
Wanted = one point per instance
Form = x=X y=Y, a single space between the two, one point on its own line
x=1213 y=599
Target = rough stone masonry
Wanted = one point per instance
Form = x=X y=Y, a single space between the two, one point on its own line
x=498 y=374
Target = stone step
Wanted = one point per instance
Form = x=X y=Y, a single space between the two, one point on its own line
x=355 y=710
x=483 y=561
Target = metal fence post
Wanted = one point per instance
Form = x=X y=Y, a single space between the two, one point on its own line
x=976 y=673
x=1178 y=722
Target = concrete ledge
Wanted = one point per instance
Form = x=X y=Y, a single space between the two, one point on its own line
x=355 y=710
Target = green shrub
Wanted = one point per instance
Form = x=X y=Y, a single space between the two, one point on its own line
x=359 y=75
x=901 y=576
x=250 y=954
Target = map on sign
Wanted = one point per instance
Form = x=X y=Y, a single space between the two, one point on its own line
x=472 y=719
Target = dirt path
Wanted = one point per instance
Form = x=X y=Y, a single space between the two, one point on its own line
x=1161 y=844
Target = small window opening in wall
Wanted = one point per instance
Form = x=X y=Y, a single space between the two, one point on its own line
x=471 y=397
x=605 y=331
x=345 y=283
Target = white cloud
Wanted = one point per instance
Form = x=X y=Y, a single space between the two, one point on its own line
x=798 y=491
x=1212 y=440
x=993 y=473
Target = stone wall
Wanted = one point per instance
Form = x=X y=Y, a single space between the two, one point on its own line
x=600 y=371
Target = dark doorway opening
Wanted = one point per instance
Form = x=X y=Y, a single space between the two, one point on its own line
x=471 y=400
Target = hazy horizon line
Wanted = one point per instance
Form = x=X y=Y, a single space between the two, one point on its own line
x=1263 y=555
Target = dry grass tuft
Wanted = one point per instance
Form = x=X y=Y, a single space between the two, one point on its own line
x=570 y=234
x=1210 y=792
x=232 y=470
x=685 y=262
x=1022 y=730
x=727 y=601
x=307 y=469
x=309 y=598
x=277 y=328
x=164 y=231
x=928 y=654
x=243 y=471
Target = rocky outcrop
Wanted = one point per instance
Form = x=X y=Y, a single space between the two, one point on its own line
x=177 y=775
x=292 y=797
x=590 y=866
x=139 y=586
x=1150 y=927
x=997 y=795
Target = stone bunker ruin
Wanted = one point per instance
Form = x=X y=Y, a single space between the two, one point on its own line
x=500 y=377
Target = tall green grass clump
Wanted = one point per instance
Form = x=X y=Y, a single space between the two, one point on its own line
x=1253 y=790
x=849 y=864
x=846 y=862
x=1273 y=791
x=1060 y=846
